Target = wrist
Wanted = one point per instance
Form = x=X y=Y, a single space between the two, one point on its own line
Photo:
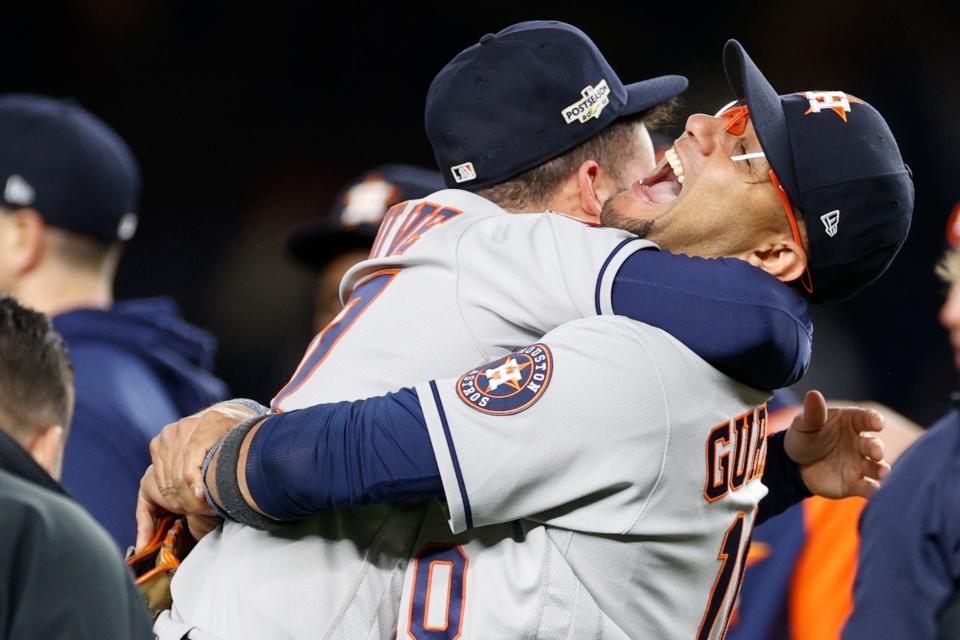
x=229 y=478
x=208 y=472
x=239 y=408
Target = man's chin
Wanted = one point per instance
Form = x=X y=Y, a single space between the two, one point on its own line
x=640 y=225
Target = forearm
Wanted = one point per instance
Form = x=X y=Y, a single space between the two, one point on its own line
x=736 y=317
x=330 y=456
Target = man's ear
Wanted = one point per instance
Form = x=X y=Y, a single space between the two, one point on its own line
x=783 y=258
x=593 y=192
x=23 y=239
x=46 y=447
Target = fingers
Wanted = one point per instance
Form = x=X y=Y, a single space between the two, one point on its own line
x=178 y=452
x=201 y=441
x=874 y=470
x=814 y=414
x=871 y=420
x=870 y=446
x=146 y=523
x=864 y=487
x=173 y=439
x=149 y=510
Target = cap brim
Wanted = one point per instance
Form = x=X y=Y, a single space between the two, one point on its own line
x=649 y=93
x=316 y=244
x=766 y=113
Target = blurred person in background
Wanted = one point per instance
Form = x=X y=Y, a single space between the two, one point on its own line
x=60 y=576
x=69 y=190
x=909 y=561
x=334 y=244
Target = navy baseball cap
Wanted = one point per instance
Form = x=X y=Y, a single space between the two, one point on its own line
x=355 y=217
x=525 y=95
x=63 y=161
x=840 y=167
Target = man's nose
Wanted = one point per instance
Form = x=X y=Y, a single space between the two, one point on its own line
x=950 y=311
x=703 y=130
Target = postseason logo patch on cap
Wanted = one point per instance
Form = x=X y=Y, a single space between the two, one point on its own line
x=591 y=105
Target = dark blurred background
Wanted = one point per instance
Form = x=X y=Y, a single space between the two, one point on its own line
x=247 y=118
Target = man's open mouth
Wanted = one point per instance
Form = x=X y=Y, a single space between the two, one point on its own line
x=666 y=181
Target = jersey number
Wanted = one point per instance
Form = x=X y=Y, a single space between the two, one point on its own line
x=363 y=296
x=439 y=593
x=729 y=557
x=399 y=230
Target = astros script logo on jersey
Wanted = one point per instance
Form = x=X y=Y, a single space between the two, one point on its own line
x=508 y=385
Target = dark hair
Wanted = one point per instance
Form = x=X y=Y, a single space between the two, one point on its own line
x=36 y=378
x=610 y=148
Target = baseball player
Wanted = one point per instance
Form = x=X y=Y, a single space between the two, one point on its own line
x=201 y=610
x=331 y=246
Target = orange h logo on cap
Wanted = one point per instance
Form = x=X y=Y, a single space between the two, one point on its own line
x=836 y=101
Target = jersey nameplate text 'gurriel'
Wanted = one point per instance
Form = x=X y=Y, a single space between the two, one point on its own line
x=736 y=453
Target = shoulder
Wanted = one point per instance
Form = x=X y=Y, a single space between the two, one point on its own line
x=932 y=454
x=628 y=342
x=551 y=224
x=643 y=355
x=60 y=555
x=47 y=520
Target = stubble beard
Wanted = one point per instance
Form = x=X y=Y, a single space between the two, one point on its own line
x=611 y=217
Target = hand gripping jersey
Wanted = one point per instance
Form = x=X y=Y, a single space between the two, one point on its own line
x=454 y=281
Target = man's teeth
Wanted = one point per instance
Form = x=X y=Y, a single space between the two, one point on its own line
x=675 y=164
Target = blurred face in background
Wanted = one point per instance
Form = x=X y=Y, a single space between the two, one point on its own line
x=326 y=301
x=949 y=270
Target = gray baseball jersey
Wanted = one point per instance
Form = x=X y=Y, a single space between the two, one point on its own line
x=454 y=281
x=627 y=471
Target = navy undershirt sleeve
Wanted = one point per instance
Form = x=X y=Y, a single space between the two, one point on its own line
x=378 y=450
x=740 y=319
x=782 y=477
x=343 y=455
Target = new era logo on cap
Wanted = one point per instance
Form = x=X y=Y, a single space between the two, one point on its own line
x=591 y=105
x=464 y=172
x=831 y=222
x=19 y=191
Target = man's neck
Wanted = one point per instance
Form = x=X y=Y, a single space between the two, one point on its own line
x=561 y=209
x=58 y=290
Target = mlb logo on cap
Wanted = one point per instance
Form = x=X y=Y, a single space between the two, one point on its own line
x=464 y=172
